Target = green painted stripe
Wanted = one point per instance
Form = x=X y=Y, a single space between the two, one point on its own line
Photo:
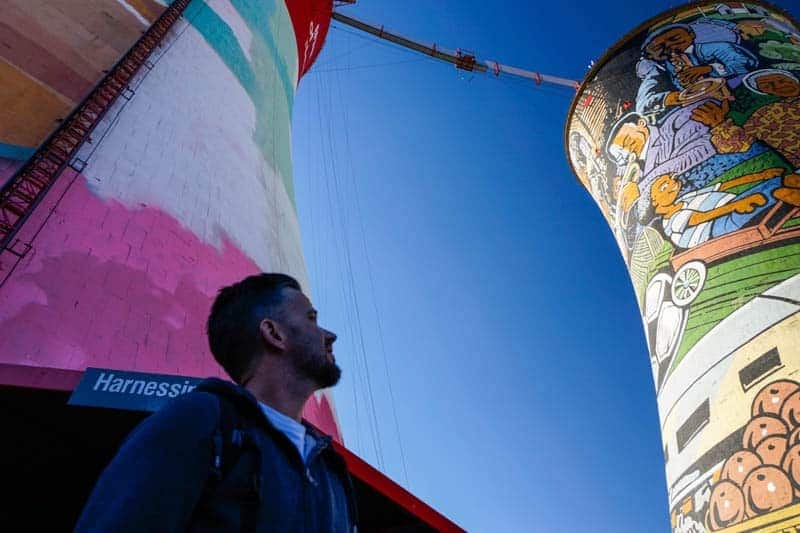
x=266 y=79
x=733 y=284
x=791 y=223
x=745 y=284
x=758 y=257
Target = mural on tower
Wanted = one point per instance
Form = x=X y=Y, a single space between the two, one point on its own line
x=687 y=136
x=185 y=185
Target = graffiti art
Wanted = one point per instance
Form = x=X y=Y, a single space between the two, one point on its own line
x=687 y=136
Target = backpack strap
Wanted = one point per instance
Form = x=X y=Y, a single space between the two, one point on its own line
x=251 y=497
x=350 y=492
x=349 y=488
x=227 y=440
x=232 y=438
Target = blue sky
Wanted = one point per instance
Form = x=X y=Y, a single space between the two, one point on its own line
x=452 y=249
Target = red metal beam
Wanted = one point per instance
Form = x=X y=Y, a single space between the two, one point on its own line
x=374 y=478
x=38 y=377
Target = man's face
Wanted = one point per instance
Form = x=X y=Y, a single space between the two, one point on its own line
x=665 y=190
x=630 y=139
x=309 y=345
x=778 y=85
x=671 y=41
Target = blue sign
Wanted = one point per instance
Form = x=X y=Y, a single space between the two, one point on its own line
x=136 y=391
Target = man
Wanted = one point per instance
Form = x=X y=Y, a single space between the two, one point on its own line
x=776 y=124
x=676 y=145
x=237 y=457
x=687 y=53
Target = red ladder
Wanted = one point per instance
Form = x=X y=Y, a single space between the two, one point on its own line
x=28 y=186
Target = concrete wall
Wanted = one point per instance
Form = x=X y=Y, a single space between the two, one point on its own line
x=687 y=136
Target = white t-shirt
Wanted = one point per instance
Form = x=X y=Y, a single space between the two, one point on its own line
x=294 y=430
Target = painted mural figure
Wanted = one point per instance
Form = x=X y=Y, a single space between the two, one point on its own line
x=694 y=217
x=777 y=124
x=673 y=146
x=687 y=53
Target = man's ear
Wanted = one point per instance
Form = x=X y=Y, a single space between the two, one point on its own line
x=273 y=335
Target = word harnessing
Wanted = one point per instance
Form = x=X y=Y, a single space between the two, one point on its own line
x=109 y=383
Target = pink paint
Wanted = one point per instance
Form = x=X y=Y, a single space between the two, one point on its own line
x=113 y=287
x=318 y=411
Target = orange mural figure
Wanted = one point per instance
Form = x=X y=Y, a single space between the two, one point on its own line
x=693 y=218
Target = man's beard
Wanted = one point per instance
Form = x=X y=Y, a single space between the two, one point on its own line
x=318 y=369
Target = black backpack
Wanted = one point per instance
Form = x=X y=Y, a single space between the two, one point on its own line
x=232 y=439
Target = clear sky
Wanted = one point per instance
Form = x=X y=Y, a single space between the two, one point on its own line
x=452 y=249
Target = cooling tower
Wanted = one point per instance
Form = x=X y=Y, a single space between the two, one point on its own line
x=686 y=134
x=145 y=162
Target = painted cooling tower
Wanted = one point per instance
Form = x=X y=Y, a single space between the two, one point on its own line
x=180 y=181
x=687 y=136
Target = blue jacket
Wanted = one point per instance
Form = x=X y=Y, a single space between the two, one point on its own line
x=162 y=477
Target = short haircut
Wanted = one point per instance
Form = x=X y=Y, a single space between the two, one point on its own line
x=664 y=29
x=236 y=314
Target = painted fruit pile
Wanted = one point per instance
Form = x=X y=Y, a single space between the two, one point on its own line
x=764 y=475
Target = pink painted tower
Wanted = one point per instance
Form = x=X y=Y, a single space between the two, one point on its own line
x=145 y=162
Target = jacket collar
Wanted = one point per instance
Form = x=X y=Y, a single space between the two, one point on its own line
x=233 y=392
x=246 y=401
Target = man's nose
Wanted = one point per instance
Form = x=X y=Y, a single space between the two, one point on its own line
x=330 y=336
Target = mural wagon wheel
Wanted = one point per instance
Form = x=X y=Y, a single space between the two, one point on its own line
x=688 y=282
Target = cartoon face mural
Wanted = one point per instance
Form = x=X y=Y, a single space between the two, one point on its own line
x=687 y=136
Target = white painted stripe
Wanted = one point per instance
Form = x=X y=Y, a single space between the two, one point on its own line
x=186 y=154
x=717 y=345
x=788 y=289
x=132 y=10
x=234 y=20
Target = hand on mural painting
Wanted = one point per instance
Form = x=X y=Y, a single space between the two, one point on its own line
x=710 y=113
x=749 y=203
x=628 y=196
x=672 y=98
x=689 y=75
x=790 y=192
x=792 y=180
